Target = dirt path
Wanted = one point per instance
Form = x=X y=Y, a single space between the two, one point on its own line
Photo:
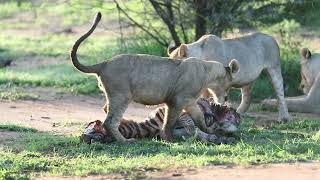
x=298 y=171
x=60 y=113
x=264 y=172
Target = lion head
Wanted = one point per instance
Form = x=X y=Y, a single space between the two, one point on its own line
x=310 y=65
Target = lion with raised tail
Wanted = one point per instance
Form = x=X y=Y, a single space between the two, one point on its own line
x=153 y=80
x=310 y=84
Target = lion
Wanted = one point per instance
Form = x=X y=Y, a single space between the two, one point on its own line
x=153 y=80
x=255 y=53
x=310 y=85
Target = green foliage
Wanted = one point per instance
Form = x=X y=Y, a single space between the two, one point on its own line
x=47 y=154
x=287 y=30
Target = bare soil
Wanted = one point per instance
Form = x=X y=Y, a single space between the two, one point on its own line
x=297 y=171
x=60 y=113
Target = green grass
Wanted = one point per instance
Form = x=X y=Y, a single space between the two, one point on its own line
x=10 y=8
x=62 y=13
x=53 y=155
x=13 y=127
x=13 y=93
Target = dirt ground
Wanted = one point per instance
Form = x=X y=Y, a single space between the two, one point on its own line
x=298 y=171
x=59 y=113
x=56 y=112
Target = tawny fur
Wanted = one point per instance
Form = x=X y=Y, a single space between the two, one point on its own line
x=255 y=52
x=310 y=84
x=153 y=80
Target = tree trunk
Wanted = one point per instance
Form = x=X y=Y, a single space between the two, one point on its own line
x=200 y=20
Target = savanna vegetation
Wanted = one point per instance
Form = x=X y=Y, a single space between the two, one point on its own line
x=42 y=32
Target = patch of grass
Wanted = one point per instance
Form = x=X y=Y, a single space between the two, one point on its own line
x=13 y=127
x=46 y=154
x=16 y=94
x=63 y=13
x=262 y=107
x=8 y=9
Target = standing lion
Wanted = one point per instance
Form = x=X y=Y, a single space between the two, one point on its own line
x=255 y=53
x=153 y=80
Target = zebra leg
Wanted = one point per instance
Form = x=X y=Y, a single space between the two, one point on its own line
x=186 y=129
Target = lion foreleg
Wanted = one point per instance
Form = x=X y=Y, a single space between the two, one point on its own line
x=245 y=100
x=170 y=121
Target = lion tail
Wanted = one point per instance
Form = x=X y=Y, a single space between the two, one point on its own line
x=74 y=59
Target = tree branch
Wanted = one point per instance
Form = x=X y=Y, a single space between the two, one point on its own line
x=167 y=18
x=157 y=39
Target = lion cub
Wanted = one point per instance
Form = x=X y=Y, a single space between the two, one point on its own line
x=153 y=80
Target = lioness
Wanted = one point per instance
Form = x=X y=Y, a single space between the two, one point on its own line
x=153 y=80
x=254 y=52
x=310 y=84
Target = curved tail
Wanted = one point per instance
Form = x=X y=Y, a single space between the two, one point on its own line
x=86 y=69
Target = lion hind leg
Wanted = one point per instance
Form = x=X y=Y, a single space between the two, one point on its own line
x=277 y=82
x=117 y=106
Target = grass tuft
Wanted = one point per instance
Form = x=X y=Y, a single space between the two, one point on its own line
x=13 y=127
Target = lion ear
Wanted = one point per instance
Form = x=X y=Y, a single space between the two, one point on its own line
x=234 y=67
x=305 y=53
x=183 y=50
